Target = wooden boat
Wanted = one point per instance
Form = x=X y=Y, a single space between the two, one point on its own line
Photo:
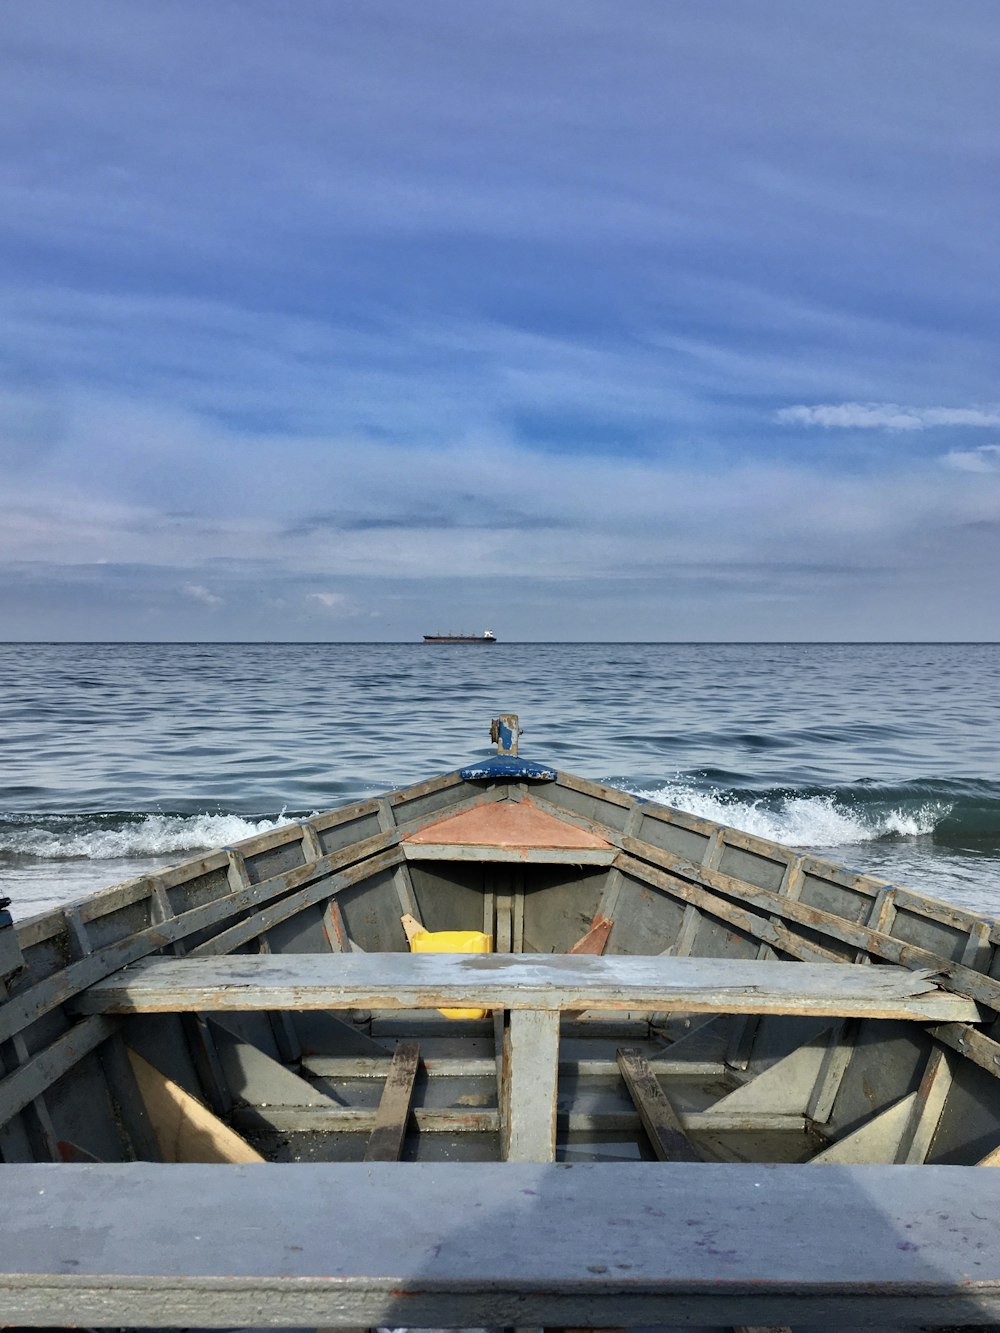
x=715 y=1082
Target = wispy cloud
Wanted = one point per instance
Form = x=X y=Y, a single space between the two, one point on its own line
x=198 y=593
x=336 y=603
x=984 y=459
x=396 y=305
x=886 y=416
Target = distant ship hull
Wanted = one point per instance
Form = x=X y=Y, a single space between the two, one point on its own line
x=486 y=637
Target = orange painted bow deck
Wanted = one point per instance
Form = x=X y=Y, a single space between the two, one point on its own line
x=507 y=831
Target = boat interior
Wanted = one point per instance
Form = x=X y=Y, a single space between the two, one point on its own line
x=507 y=966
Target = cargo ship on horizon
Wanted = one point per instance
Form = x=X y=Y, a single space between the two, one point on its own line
x=487 y=636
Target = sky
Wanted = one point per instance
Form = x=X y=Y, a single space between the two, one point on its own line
x=344 y=320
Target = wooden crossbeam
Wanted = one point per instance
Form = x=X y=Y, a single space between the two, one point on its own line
x=344 y=1244
x=386 y=1141
x=544 y=982
x=333 y=1119
x=528 y=1086
x=659 y=1119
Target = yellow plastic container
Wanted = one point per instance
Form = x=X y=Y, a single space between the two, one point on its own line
x=453 y=941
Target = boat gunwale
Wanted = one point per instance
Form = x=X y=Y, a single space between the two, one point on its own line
x=257 y=905
x=808 y=862
x=49 y=922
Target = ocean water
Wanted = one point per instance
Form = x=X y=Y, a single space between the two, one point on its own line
x=119 y=758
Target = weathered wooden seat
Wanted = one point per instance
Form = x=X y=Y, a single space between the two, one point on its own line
x=548 y=983
x=381 y=1244
x=530 y=991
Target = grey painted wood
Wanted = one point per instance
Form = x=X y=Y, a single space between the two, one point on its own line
x=479 y=1120
x=253 y=1076
x=282 y=1027
x=682 y=875
x=24 y=1007
x=507 y=1243
x=323 y=887
x=708 y=901
x=29 y=1080
x=528 y=1084
x=785 y=1086
x=460 y=1066
x=932 y=1094
x=363 y=1119
x=486 y=852
x=548 y=982
x=877 y=1140
x=973 y=1044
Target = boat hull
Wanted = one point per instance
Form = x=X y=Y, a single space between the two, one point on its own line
x=664 y=993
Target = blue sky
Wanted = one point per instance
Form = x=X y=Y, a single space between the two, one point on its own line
x=575 y=320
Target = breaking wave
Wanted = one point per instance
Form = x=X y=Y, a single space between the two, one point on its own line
x=806 y=820
x=114 y=837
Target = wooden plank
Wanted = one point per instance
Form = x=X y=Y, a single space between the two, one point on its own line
x=503 y=940
x=513 y=826
x=659 y=1119
x=362 y=1120
x=27 y=1005
x=185 y=1130
x=411 y=926
x=958 y=977
x=401 y=874
x=968 y=1041
x=20 y=1087
x=528 y=1088
x=702 y=900
x=785 y=1086
x=613 y=882
x=386 y=1142
x=877 y=1140
x=596 y=938
x=451 y=1066
x=291 y=905
x=205 y=1058
x=312 y=848
x=835 y=1065
x=282 y=1028
x=502 y=1244
x=549 y=982
x=330 y=1119
x=335 y=928
x=484 y=852
x=932 y=1094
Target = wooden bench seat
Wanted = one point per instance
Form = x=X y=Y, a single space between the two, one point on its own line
x=443 y=1244
x=528 y=993
x=542 y=982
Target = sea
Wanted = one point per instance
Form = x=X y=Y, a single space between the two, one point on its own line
x=119 y=758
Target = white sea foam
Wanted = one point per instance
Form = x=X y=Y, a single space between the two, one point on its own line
x=146 y=835
x=803 y=821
